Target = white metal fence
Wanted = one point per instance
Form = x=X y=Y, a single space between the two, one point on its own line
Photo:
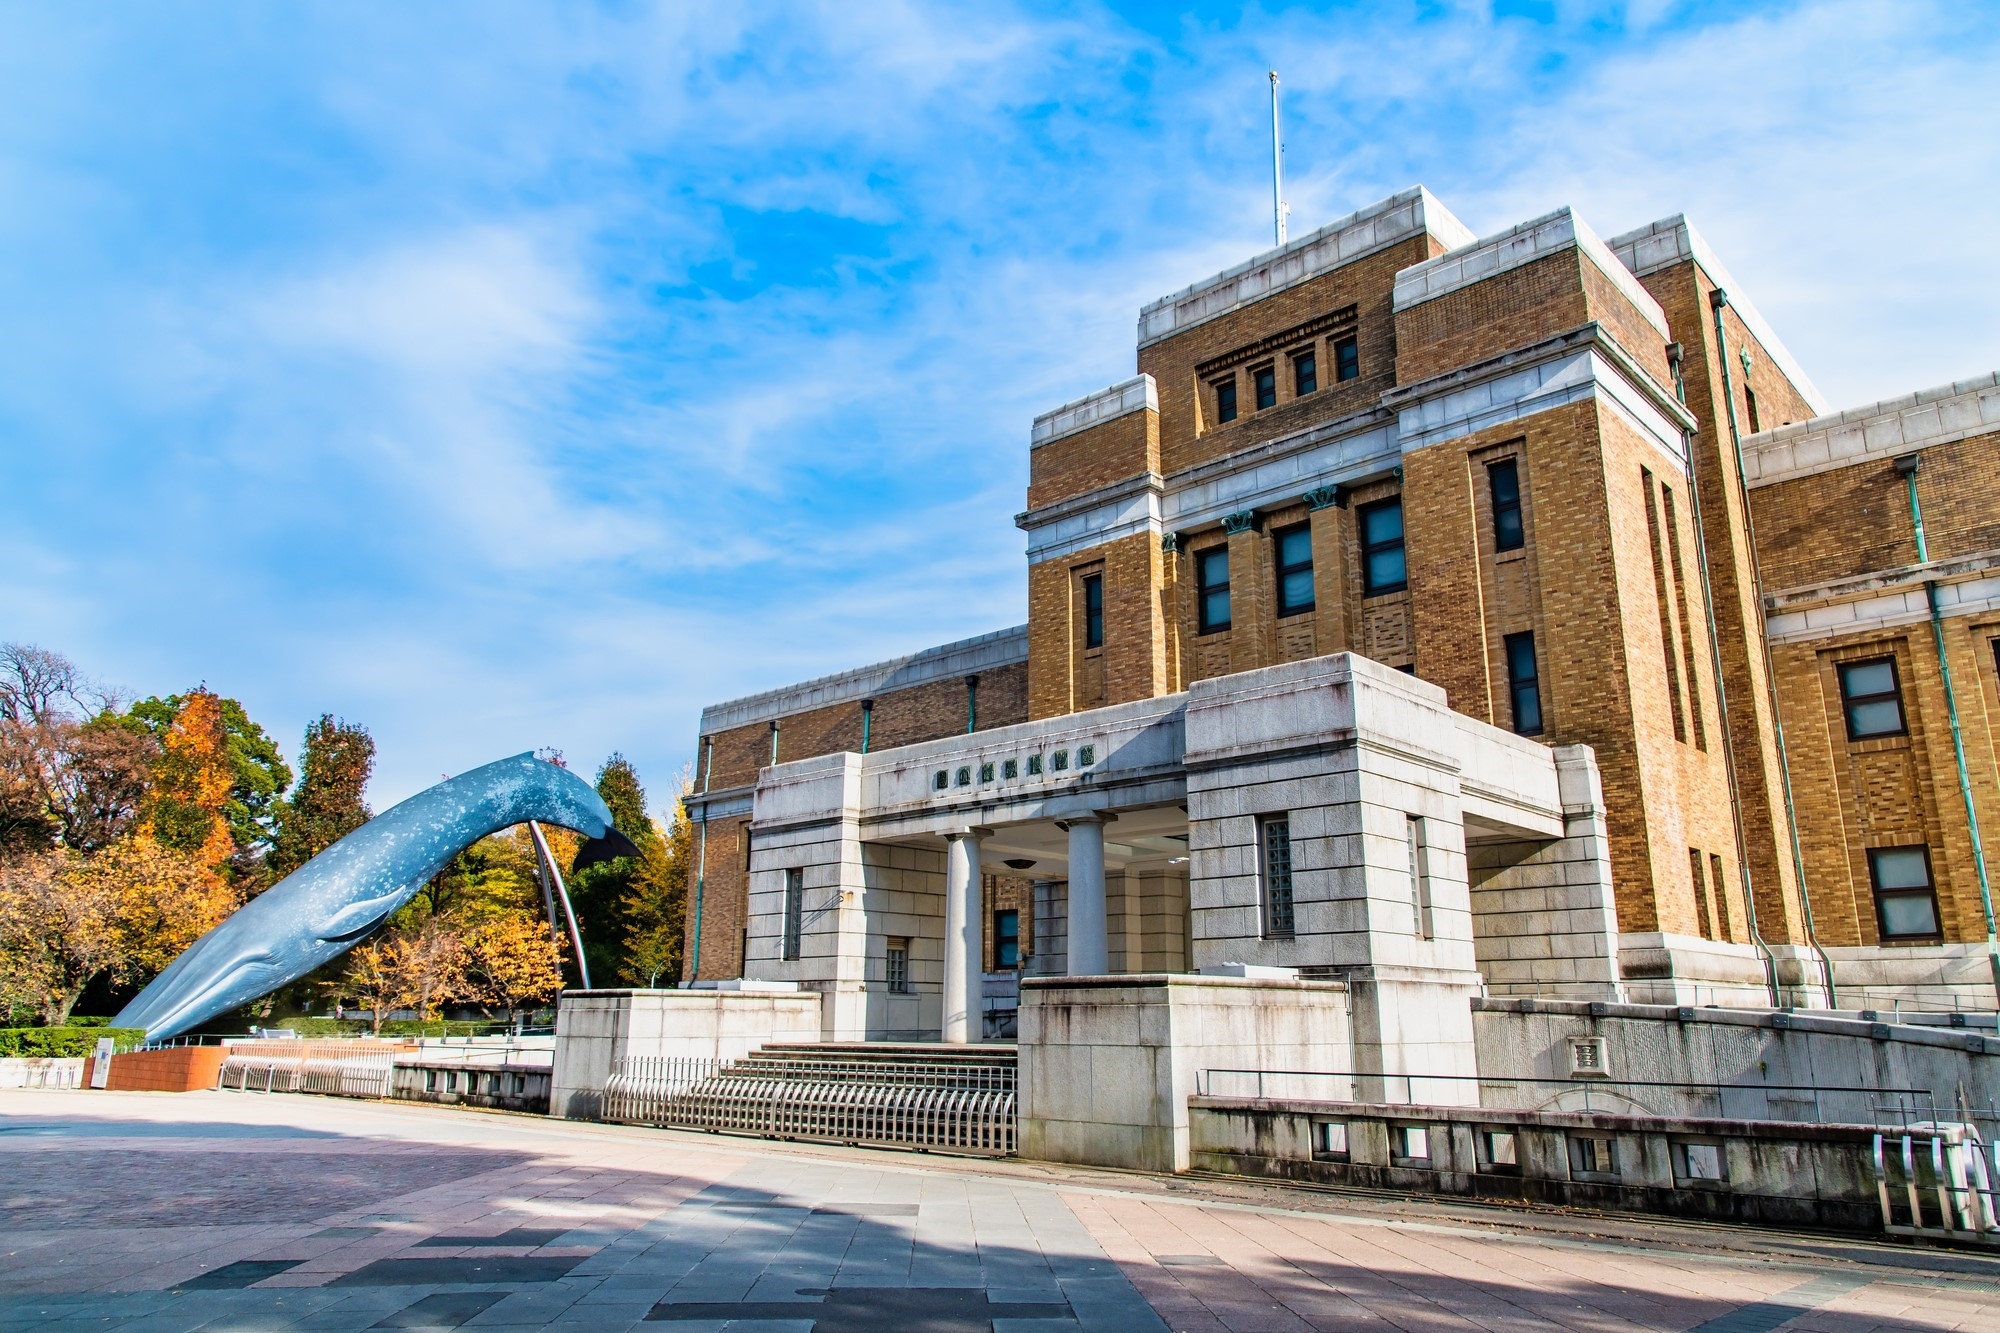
x=332 y=1075
x=1939 y=1182
x=959 y=1107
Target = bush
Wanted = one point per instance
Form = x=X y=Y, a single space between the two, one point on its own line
x=65 y=1042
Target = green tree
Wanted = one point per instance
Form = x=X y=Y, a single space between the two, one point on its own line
x=259 y=774
x=654 y=909
x=327 y=805
x=599 y=893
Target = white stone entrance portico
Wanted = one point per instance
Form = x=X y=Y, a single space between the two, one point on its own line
x=1177 y=812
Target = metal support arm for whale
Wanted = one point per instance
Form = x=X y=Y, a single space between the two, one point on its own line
x=336 y=900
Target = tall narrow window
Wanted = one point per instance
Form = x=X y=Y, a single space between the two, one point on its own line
x=899 y=966
x=1524 y=683
x=1905 y=899
x=1275 y=855
x=1266 y=380
x=1382 y=564
x=1750 y=402
x=1420 y=881
x=1346 y=360
x=795 y=910
x=1006 y=941
x=1724 y=930
x=1093 y=611
x=1225 y=399
x=1698 y=872
x=1872 y=698
x=1505 y=480
x=1305 y=373
x=1212 y=581
x=1295 y=569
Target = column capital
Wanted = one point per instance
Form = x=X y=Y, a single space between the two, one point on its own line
x=971 y=831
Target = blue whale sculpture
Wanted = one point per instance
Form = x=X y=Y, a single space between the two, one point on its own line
x=337 y=899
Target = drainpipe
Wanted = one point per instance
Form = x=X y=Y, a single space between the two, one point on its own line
x=1718 y=300
x=701 y=856
x=1906 y=467
x=867 y=722
x=774 y=740
x=971 y=704
x=1674 y=359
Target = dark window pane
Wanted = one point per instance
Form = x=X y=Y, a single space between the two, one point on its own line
x=1506 y=482
x=1093 y=611
x=1295 y=569
x=1225 y=400
x=1909 y=914
x=1212 y=577
x=1883 y=718
x=1386 y=570
x=1215 y=610
x=1867 y=678
x=1267 y=387
x=1871 y=698
x=1346 y=359
x=1901 y=868
x=1305 y=373
x=1382 y=522
x=1006 y=940
x=1524 y=686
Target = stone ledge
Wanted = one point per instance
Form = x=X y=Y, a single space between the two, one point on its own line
x=1134 y=395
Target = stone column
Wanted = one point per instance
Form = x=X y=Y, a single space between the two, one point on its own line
x=964 y=955
x=1087 y=953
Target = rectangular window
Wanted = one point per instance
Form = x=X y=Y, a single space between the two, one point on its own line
x=795 y=910
x=1524 y=683
x=1905 y=899
x=1346 y=360
x=899 y=966
x=1295 y=569
x=1274 y=838
x=1698 y=874
x=1266 y=380
x=1504 y=479
x=1715 y=874
x=1593 y=1154
x=1420 y=881
x=1872 y=698
x=1750 y=401
x=1305 y=373
x=1225 y=399
x=1329 y=1139
x=1093 y=611
x=1383 y=568
x=1212 y=581
x=1006 y=941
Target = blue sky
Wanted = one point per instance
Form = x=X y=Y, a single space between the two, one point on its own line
x=507 y=375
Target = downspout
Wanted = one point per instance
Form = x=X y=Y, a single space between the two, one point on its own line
x=1907 y=466
x=971 y=704
x=867 y=722
x=1718 y=300
x=701 y=857
x=1674 y=358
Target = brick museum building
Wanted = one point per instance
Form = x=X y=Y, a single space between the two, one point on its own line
x=1421 y=590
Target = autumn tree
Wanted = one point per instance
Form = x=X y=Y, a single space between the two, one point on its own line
x=511 y=962
x=258 y=772
x=191 y=783
x=73 y=769
x=654 y=910
x=67 y=919
x=334 y=767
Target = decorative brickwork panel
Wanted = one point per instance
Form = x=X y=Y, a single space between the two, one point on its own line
x=1510 y=309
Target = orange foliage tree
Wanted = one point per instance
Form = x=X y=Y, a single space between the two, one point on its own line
x=191 y=784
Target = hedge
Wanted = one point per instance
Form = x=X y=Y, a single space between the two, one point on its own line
x=65 y=1042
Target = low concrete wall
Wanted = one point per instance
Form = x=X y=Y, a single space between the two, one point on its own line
x=1777 y=1174
x=1108 y=1063
x=596 y=1028
x=457 y=1082
x=1743 y=1051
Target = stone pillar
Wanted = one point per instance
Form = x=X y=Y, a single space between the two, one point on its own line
x=1087 y=951
x=964 y=955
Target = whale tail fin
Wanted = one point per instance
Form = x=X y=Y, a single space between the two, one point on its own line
x=607 y=848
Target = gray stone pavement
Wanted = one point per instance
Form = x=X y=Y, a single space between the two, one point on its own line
x=242 y=1211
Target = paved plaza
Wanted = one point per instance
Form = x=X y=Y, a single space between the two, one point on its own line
x=241 y=1211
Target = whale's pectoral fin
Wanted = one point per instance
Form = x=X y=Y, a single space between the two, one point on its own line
x=356 y=920
x=607 y=848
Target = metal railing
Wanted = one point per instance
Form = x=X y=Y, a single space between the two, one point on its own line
x=333 y=1075
x=958 y=1107
x=1817 y=1104
x=1947 y=1169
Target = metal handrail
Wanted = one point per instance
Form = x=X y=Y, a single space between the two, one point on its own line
x=1901 y=1106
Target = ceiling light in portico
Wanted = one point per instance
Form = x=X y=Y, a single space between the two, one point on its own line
x=1018 y=863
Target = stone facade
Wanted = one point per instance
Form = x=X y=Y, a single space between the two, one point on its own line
x=1581 y=492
